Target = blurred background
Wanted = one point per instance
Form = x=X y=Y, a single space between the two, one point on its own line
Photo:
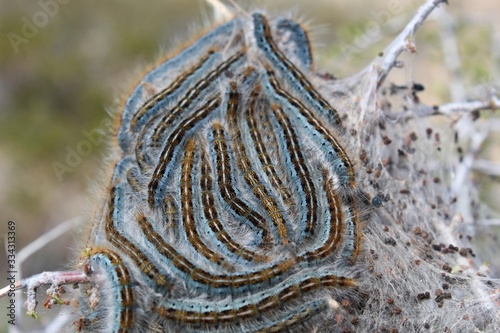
x=62 y=67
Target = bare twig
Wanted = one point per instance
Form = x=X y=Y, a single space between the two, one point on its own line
x=489 y=223
x=451 y=56
x=487 y=167
x=54 y=279
x=221 y=10
x=46 y=238
x=463 y=169
x=36 y=245
x=404 y=40
x=450 y=109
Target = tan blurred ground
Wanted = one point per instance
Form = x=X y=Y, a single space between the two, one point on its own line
x=62 y=81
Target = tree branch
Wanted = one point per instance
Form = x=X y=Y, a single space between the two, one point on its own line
x=403 y=41
x=487 y=167
x=450 y=109
x=54 y=279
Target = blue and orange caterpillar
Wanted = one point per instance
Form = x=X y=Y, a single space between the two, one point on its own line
x=233 y=206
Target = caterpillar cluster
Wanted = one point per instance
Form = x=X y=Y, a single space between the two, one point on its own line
x=233 y=205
